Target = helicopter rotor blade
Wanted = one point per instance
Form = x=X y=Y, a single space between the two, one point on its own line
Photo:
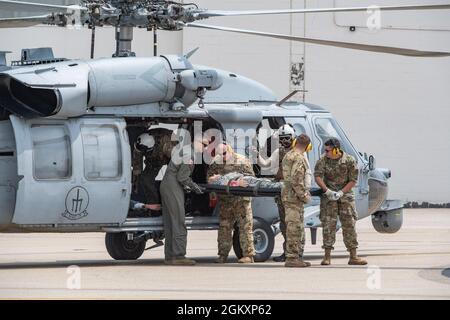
x=22 y=22
x=191 y=53
x=40 y=7
x=339 y=44
x=219 y=13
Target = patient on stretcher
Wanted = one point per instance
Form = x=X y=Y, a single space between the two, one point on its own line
x=235 y=179
x=248 y=185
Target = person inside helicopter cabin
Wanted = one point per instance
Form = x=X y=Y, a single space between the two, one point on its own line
x=135 y=205
x=156 y=145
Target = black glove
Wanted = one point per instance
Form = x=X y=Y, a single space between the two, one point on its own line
x=192 y=186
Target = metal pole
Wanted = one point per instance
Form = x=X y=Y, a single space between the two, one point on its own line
x=304 y=55
x=92 y=41
x=155 y=41
x=117 y=42
x=124 y=37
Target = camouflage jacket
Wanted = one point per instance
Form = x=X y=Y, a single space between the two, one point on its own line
x=294 y=170
x=281 y=153
x=240 y=164
x=337 y=173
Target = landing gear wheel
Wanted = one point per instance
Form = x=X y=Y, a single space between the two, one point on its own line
x=120 y=248
x=264 y=241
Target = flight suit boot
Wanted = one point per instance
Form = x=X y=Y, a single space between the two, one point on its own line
x=246 y=260
x=296 y=263
x=221 y=259
x=355 y=260
x=180 y=262
x=327 y=258
x=281 y=258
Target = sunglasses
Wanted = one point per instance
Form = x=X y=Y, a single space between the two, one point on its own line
x=328 y=150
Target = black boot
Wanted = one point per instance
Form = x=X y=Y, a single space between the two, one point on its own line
x=281 y=258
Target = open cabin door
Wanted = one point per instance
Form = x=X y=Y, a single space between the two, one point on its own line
x=74 y=171
x=239 y=126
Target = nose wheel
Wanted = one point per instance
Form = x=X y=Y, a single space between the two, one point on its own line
x=120 y=247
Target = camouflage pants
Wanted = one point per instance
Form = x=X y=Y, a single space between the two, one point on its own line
x=295 y=229
x=282 y=213
x=329 y=212
x=236 y=210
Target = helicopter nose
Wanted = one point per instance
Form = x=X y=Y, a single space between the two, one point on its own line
x=386 y=172
x=378 y=188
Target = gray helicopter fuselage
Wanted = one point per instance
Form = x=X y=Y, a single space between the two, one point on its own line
x=65 y=173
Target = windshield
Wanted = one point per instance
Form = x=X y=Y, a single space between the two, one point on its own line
x=327 y=128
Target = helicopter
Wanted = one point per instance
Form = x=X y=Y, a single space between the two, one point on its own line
x=68 y=127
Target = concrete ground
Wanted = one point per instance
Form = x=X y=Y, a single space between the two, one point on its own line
x=411 y=264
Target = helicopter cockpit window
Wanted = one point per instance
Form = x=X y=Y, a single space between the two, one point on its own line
x=51 y=152
x=299 y=129
x=326 y=128
x=102 y=152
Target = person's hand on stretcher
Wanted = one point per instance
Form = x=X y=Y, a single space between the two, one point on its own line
x=238 y=183
x=234 y=183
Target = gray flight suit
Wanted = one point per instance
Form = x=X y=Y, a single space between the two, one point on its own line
x=173 y=211
x=154 y=161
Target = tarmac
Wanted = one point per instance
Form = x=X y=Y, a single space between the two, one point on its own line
x=413 y=263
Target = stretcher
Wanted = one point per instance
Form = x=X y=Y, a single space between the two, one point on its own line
x=251 y=191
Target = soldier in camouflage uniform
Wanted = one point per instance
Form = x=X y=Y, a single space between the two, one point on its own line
x=337 y=173
x=294 y=195
x=286 y=135
x=232 y=208
x=155 y=159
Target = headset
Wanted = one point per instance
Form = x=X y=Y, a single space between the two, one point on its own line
x=336 y=147
x=308 y=147
x=294 y=143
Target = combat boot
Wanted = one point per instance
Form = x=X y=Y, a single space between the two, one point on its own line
x=281 y=258
x=308 y=264
x=296 y=263
x=246 y=260
x=180 y=262
x=327 y=258
x=355 y=260
x=221 y=259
